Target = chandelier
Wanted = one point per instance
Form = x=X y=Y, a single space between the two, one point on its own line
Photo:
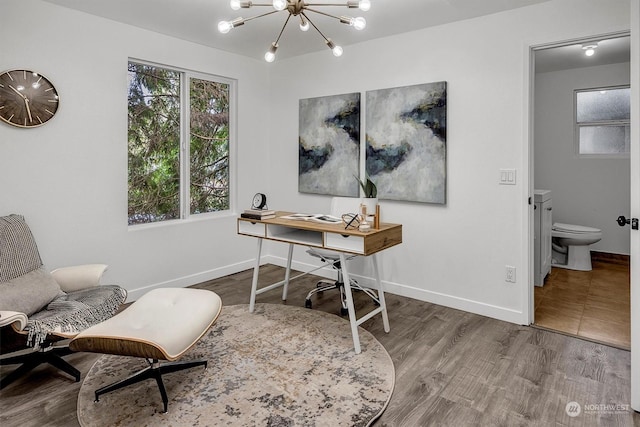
x=297 y=8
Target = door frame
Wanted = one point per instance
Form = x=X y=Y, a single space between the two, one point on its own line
x=635 y=204
x=528 y=166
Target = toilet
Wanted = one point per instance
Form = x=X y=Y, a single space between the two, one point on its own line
x=570 y=247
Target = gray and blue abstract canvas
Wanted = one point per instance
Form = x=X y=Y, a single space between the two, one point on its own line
x=407 y=142
x=329 y=145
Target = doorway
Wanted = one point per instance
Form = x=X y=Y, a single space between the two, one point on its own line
x=585 y=190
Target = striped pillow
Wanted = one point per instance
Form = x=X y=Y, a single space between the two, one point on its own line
x=18 y=251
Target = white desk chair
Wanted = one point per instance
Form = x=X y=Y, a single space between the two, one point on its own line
x=339 y=206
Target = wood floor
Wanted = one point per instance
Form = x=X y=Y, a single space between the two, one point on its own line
x=452 y=368
x=591 y=304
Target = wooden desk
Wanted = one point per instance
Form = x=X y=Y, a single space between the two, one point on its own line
x=326 y=236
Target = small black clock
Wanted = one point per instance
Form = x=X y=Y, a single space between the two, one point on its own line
x=259 y=201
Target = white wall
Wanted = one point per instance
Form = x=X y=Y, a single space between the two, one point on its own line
x=453 y=254
x=585 y=191
x=69 y=177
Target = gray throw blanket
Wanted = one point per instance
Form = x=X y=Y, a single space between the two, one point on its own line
x=74 y=312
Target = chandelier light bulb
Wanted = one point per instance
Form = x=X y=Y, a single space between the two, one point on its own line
x=363 y=5
x=270 y=56
x=337 y=50
x=235 y=4
x=304 y=24
x=224 y=26
x=279 y=4
x=359 y=23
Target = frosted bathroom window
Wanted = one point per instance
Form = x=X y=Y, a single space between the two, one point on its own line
x=603 y=122
x=604 y=139
x=603 y=105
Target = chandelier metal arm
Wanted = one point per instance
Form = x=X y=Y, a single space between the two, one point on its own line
x=260 y=16
x=282 y=30
x=330 y=4
x=314 y=26
x=248 y=4
x=351 y=4
x=323 y=13
x=357 y=23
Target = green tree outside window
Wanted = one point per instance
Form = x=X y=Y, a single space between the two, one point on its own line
x=155 y=158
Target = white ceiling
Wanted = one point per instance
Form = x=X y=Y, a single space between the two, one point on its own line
x=197 y=20
x=609 y=51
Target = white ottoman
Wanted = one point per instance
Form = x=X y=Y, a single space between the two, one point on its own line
x=161 y=325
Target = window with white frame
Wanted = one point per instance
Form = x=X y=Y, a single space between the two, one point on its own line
x=603 y=121
x=178 y=143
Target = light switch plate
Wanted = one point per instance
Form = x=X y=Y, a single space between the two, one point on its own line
x=507 y=177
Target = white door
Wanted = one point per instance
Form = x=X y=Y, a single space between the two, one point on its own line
x=635 y=204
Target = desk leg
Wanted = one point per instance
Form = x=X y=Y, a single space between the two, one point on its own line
x=254 y=282
x=350 y=307
x=287 y=273
x=383 y=304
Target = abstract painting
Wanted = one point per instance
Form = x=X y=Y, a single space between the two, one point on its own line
x=407 y=142
x=329 y=145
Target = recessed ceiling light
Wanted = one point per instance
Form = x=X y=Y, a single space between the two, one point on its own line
x=590 y=49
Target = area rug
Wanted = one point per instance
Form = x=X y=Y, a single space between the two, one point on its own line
x=278 y=366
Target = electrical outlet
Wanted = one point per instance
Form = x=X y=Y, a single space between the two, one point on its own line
x=510 y=274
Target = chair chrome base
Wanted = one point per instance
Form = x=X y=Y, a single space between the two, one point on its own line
x=29 y=361
x=155 y=371
x=327 y=285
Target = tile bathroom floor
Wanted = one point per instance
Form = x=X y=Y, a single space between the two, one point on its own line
x=594 y=305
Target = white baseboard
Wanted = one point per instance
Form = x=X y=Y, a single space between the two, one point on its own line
x=404 y=290
x=450 y=301
x=183 y=282
x=458 y=303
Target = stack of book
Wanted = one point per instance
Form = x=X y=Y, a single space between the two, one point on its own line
x=258 y=214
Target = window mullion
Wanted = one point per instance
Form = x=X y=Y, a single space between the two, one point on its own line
x=185 y=169
x=606 y=123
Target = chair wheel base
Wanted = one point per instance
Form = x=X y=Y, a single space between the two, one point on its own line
x=344 y=311
x=307 y=303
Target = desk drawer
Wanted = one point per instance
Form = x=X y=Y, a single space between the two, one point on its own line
x=251 y=228
x=341 y=242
